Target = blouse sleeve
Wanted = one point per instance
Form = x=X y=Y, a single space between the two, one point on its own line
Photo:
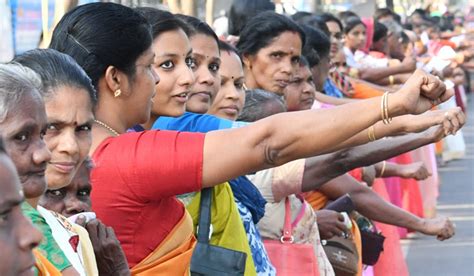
x=153 y=164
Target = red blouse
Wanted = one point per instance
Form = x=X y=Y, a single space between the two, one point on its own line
x=135 y=179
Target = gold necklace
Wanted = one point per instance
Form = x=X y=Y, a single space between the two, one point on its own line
x=106 y=126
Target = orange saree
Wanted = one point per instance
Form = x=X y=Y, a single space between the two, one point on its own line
x=173 y=255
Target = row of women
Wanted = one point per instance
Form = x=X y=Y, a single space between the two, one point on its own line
x=110 y=135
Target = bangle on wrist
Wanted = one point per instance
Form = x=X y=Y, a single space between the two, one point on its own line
x=384 y=106
x=391 y=80
x=384 y=164
x=371 y=134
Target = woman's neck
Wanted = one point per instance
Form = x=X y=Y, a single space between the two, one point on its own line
x=33 y=202
x=151 y=121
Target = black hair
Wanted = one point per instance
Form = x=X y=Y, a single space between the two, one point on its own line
x=328 y=17
x=99 y=35
x=56 y=69
x=397 y=18
x=162 y=21
x=380 y=31
x=255 y=102
x=259 y=32
x=197 y=26
x=346 y=14
x=304 y=62
x=241 y=11
x=317 y=41
x=224 y=46
x=383 y=12
x=404 y=38
x=351 y=22
x=306 y=18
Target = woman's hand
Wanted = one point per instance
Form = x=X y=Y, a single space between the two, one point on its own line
x=330 y=224
x=451 y=120
x=441 y=227
x=415 y=170
x=109 y=255
x=409 y=64
x=420 y=93
x=368 y=175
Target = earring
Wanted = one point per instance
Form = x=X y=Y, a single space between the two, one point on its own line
x=117 y=93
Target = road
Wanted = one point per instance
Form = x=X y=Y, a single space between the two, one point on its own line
x=426 y=255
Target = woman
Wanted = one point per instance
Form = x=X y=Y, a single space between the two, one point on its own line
x=23 y=136
x=120 y=72
x=18 y=237
x=228 y=231
x=206 y=63
x=355 y=39
x=66 y=87
x=73 y=199
x=231 y=97
x=172 y=61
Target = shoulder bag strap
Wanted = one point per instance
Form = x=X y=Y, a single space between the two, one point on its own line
x=205 y=215
x=287 y=229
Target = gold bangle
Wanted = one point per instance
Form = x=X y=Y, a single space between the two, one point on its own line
x=371 y=134
x=385 y=114
x=391 y=79
x=384 y=163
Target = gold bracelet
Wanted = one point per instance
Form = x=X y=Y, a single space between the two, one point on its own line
x=371 y=134
x=391 y=79
x=385 y=114
x=384 y=163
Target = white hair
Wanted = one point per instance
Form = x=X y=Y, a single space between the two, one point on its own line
x=16 y=81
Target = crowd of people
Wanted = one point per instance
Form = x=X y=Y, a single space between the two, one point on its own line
x=142 y=143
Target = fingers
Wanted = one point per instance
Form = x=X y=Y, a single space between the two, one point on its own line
x=454 y=119
x=81 y=220
x=433 y=88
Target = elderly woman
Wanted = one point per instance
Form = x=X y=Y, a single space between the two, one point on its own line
x=18 y=237
x=23 y=123
x=67 y=136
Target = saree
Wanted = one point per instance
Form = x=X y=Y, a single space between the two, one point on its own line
x=227 y=228
x=77 y=247
x=43 y=266
x=48 y=247
x=391 y=260
x=173 y=255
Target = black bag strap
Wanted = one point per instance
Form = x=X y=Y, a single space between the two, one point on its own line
x=205 y=216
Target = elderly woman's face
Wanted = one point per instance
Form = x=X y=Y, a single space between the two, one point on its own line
x=18 y=237
x=68 y=136
x=272 y=67
x=72 y=199
x=23 y=132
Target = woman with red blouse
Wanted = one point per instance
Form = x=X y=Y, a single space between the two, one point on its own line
x=136 y=175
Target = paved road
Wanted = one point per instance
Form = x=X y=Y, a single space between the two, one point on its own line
x=427 y=256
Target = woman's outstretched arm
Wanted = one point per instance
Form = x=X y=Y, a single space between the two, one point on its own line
x=285 y=137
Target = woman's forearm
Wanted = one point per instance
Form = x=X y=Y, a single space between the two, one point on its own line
x=321 y=169
x=375 y=74
x=285 y=137
x=370 y=204
x=332 y=100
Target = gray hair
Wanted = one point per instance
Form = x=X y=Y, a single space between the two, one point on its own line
x=15 y=82
x=256 y=106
